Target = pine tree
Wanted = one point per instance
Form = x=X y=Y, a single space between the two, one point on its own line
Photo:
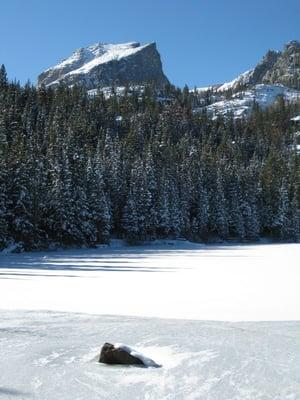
x=4 y=201
x=3 y=78
x=99 y=208
x=130 y=219
x=218 y=216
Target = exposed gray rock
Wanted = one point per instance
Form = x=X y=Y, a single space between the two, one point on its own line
x=263 y=67
x=104 y=65
x=286 y=69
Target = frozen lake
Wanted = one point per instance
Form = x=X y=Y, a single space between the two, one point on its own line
x=49 y=350
x=175 y=280
x=53 y=356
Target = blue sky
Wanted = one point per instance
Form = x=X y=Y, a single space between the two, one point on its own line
x=200 y=41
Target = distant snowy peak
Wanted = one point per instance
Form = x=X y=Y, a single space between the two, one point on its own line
x=105 y=64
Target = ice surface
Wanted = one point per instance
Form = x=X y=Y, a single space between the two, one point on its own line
x=54 y=356
x=51 y=355
x=171 y=279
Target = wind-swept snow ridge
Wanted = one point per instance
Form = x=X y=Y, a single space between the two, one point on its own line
x=97 y=54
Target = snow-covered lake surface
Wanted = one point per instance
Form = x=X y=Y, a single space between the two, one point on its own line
x=53 y=356
x=179 y=280
x=50 y=341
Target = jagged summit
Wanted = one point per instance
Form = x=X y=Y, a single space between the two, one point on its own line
x=276 y=67
x=277 y=74
x=104 y=64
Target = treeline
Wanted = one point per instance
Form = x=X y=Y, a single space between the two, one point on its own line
x=79 y=170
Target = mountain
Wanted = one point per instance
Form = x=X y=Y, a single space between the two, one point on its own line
x=103 y=65
x=275 y=68
x=277 y=74
x=241 y=103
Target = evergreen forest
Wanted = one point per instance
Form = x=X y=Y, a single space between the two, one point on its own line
x=78 y=170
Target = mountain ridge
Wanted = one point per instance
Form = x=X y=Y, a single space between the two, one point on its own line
x=101 y=66
x=277 y=74
x=104 y=64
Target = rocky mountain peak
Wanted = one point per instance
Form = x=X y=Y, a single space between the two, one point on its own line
x=286 y=69
x=105 y=64
x=276 y=75
x=293 y=45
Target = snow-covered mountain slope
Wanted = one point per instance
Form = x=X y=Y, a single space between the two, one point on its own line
x=242 y=79
x=277 y=74
x=108 y=64
x=254 y=76
x=275 y=68
x=120 y=91
x=241 y=103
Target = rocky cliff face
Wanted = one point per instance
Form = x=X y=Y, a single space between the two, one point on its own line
x=276 y=67
x=103 y=65
x=286 y=69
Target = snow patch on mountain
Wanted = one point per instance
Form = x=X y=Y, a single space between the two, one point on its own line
x=119 y=91
x=84 y=59
x=241 y=103
x=205 y=88
x=104 y=53
x=242 y=79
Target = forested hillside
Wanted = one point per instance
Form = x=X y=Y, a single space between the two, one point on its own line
x=79 y=170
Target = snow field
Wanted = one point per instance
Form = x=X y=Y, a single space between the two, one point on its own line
x=53 y=356
x=181 y=280
x=48 y=354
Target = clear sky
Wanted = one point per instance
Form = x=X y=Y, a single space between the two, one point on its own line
x=201 y=41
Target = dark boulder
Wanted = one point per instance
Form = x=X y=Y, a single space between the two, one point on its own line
x=112 y=355
x=124 y=355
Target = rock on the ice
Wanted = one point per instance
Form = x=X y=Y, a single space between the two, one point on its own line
x=121 y=354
